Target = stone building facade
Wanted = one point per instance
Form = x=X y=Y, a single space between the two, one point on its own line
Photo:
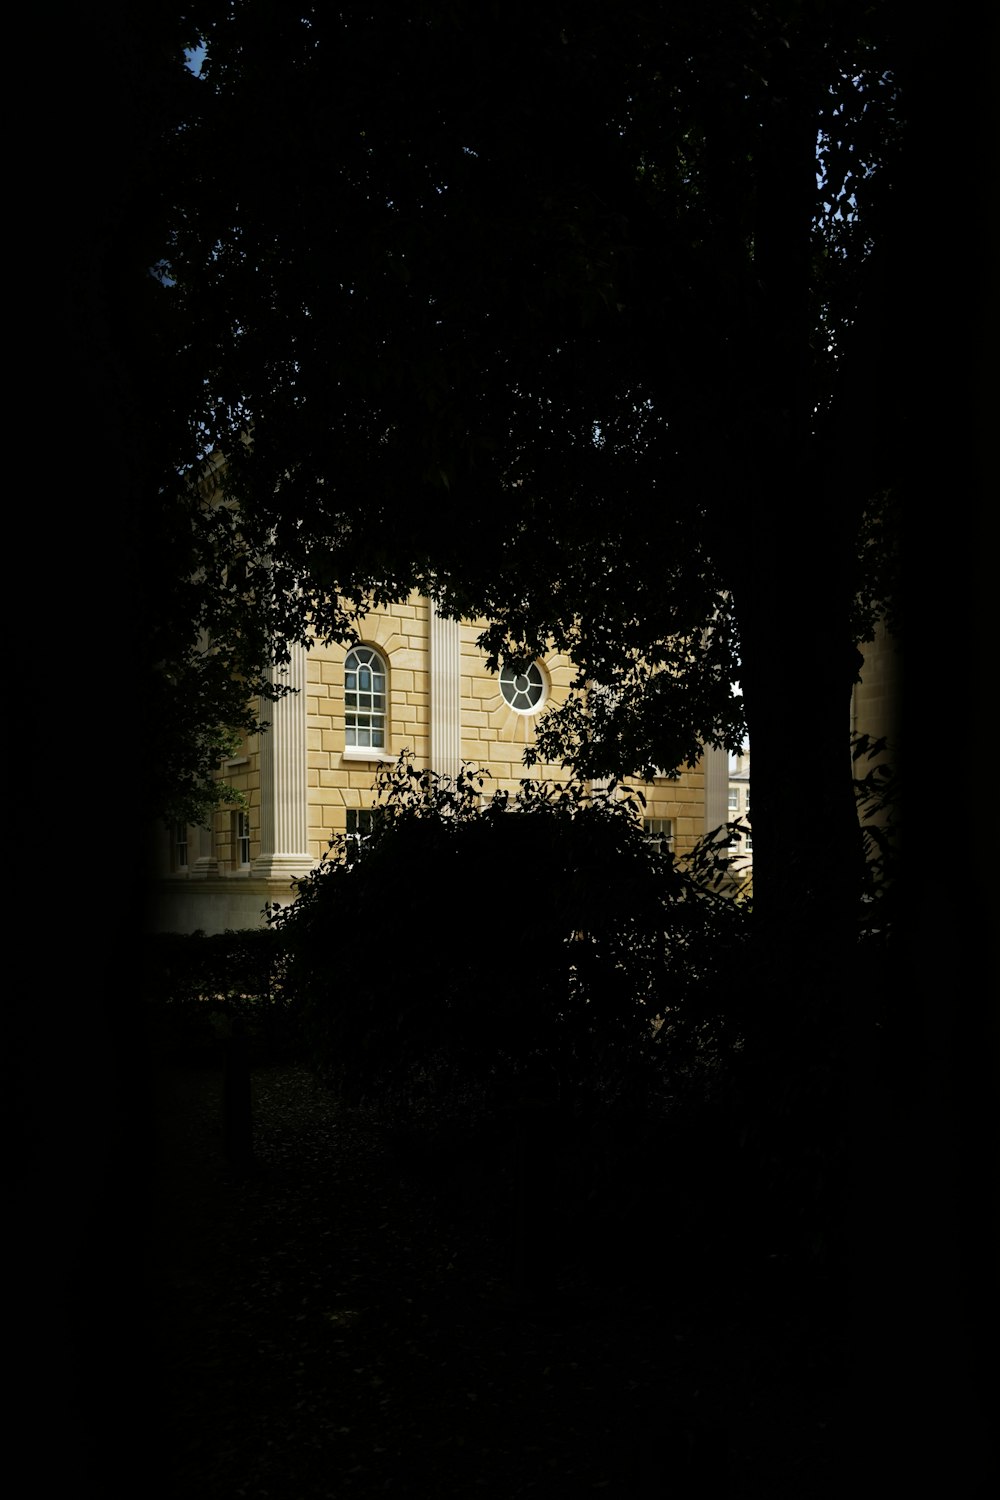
x=416 y=682
x=739 y=808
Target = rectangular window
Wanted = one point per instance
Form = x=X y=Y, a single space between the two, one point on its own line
x=747 y=800
x=660 y=832
x=734 y=799
x=180 y=846
x=241 y=839
x=359 y=826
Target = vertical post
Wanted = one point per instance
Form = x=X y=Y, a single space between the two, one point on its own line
x=715 y=764
x=284 y=811
x=446 y=694
x=206 y=864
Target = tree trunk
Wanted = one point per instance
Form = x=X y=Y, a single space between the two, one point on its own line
x=801 y=985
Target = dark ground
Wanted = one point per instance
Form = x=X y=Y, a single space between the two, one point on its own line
x=335 y=1322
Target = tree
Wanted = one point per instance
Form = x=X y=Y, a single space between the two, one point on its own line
x=617 y=959
x=570 y=319
x=411 y=360
x=583 y=319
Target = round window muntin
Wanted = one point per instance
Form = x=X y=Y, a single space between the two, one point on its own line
x=523 y=690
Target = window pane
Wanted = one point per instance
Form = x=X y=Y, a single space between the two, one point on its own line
x=523 y=691
x=365 y=698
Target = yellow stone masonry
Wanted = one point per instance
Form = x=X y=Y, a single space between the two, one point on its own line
x=494 y=736
x=340 y=778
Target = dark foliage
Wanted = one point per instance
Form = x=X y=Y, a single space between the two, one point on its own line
x=478 y=947
x=196 y=988
x=617 y=298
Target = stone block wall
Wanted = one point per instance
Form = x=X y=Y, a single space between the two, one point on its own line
x=482 y=728
x=338 y=778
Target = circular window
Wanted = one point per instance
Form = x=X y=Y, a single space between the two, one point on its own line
x=523 y=691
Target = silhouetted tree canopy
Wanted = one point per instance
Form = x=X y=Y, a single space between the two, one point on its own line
x=583 y=321
x=640 y=223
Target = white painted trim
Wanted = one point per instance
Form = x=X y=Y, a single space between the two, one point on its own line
x=367 y=752
x=446 y=694
x=284 y=814
x=537 y=708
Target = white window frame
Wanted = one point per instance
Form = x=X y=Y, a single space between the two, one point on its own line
x=358 y=823
x=365 y=664
x=660 y=832
x=516 y=696
x=241 y=839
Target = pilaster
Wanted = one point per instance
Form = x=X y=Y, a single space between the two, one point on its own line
x=716 y=766
x=446 y=694
x=206 y=864
x=284 y=812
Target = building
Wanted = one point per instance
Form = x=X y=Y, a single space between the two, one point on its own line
x=738 y=807
x=875 y=721
x=875 y=699
x=418 y=682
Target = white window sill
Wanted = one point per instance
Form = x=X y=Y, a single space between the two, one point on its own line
x=367 y=752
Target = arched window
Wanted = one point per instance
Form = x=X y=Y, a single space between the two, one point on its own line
x=523 y=691
x=365 y=698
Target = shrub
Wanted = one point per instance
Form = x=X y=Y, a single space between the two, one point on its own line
x=471 y=942
x=196 y=985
